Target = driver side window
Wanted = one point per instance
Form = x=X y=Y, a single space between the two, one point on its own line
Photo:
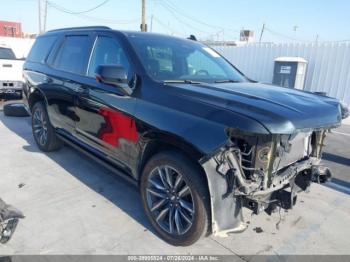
x=107 y=51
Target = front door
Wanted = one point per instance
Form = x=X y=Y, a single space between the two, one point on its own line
x=104 y=114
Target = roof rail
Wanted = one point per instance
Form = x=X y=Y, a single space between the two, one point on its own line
x=79 y=28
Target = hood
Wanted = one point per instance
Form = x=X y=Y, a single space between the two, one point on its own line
x=280 y=110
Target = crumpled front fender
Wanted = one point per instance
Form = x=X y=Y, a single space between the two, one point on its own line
x=226 y=209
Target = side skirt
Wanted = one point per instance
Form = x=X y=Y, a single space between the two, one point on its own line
x=99 y=160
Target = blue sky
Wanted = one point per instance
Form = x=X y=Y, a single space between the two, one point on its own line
x=219 y=19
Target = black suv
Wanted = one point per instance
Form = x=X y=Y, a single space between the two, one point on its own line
x=173 y=116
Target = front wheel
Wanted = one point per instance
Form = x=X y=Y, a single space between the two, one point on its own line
x=175 y=198
x=43 y=132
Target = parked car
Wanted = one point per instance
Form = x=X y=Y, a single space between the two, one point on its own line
x=171 y=115
x=11 y=81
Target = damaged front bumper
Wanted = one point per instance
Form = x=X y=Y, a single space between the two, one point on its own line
x=261 y=185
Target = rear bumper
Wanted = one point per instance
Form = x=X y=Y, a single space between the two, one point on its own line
x=11 y=94
x=11 y=90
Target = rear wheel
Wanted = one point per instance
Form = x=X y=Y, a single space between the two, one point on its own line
x=43 y=132
x=175 y=198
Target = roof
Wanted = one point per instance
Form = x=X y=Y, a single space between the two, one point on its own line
x=80 y=28
x=125 y=32
x=92 y=28
x=290 y=59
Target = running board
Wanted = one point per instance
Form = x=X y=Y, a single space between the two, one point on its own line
x=100 y=161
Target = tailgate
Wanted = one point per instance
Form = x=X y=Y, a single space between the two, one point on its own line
x=11 y=70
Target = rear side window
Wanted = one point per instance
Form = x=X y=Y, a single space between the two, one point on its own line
x=41 y=49
x=73 y=55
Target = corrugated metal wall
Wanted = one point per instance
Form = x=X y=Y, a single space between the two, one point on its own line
x=328 y=64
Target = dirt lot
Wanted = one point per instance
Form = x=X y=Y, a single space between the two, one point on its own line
x=75 y=206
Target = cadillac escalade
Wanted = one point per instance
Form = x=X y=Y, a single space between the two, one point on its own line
x=199 y=139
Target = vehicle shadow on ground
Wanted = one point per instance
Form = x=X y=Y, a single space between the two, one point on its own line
x=336 y=158
x=119 y=192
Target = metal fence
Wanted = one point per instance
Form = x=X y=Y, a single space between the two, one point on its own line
x=328 y=64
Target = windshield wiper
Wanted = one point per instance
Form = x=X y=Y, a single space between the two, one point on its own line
x=182 y=81
x=227 y=81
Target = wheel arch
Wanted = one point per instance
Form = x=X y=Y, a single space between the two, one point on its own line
x=35 y=96
x=155 y=142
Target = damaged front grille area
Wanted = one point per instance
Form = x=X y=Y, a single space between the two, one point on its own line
x=261 y=172
x=260 y=164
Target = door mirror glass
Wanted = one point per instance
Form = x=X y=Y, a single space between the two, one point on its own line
x=113 y=75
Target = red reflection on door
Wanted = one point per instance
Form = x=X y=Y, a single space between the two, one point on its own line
x=117 y=125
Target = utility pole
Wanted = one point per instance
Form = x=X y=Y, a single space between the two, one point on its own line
x=151 y=23
x=39 y=14
x=143 y=17
x=295 y=30
x=262 y=32
x=45 y=15
x=42 y=13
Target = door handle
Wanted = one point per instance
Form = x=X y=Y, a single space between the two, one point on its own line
x=81 y=90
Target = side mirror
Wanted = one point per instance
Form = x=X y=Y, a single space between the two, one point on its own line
x=113 y=75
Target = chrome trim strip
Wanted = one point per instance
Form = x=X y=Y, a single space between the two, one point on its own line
x=92 y=51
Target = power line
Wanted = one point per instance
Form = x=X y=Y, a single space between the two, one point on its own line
x=93 y=8
x=192 y=20
x=174 y=13
x=284 y=36
x=273 y=32
x=178 y=10
x=183 y=14
x=79 y=12
x=179 y=20
x=166 y=26
x=91 y=18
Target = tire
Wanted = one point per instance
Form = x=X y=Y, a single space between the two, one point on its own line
x=46 y=138
x=175 y=163
x=16 y=109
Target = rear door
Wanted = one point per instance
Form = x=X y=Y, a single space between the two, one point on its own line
x=104 y=114
x=66 y=78
x=35 y=70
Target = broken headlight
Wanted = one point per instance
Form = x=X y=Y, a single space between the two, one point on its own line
x=255 y=156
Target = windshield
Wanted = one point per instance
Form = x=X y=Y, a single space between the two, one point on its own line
x=7 y=53
x=173 y=59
